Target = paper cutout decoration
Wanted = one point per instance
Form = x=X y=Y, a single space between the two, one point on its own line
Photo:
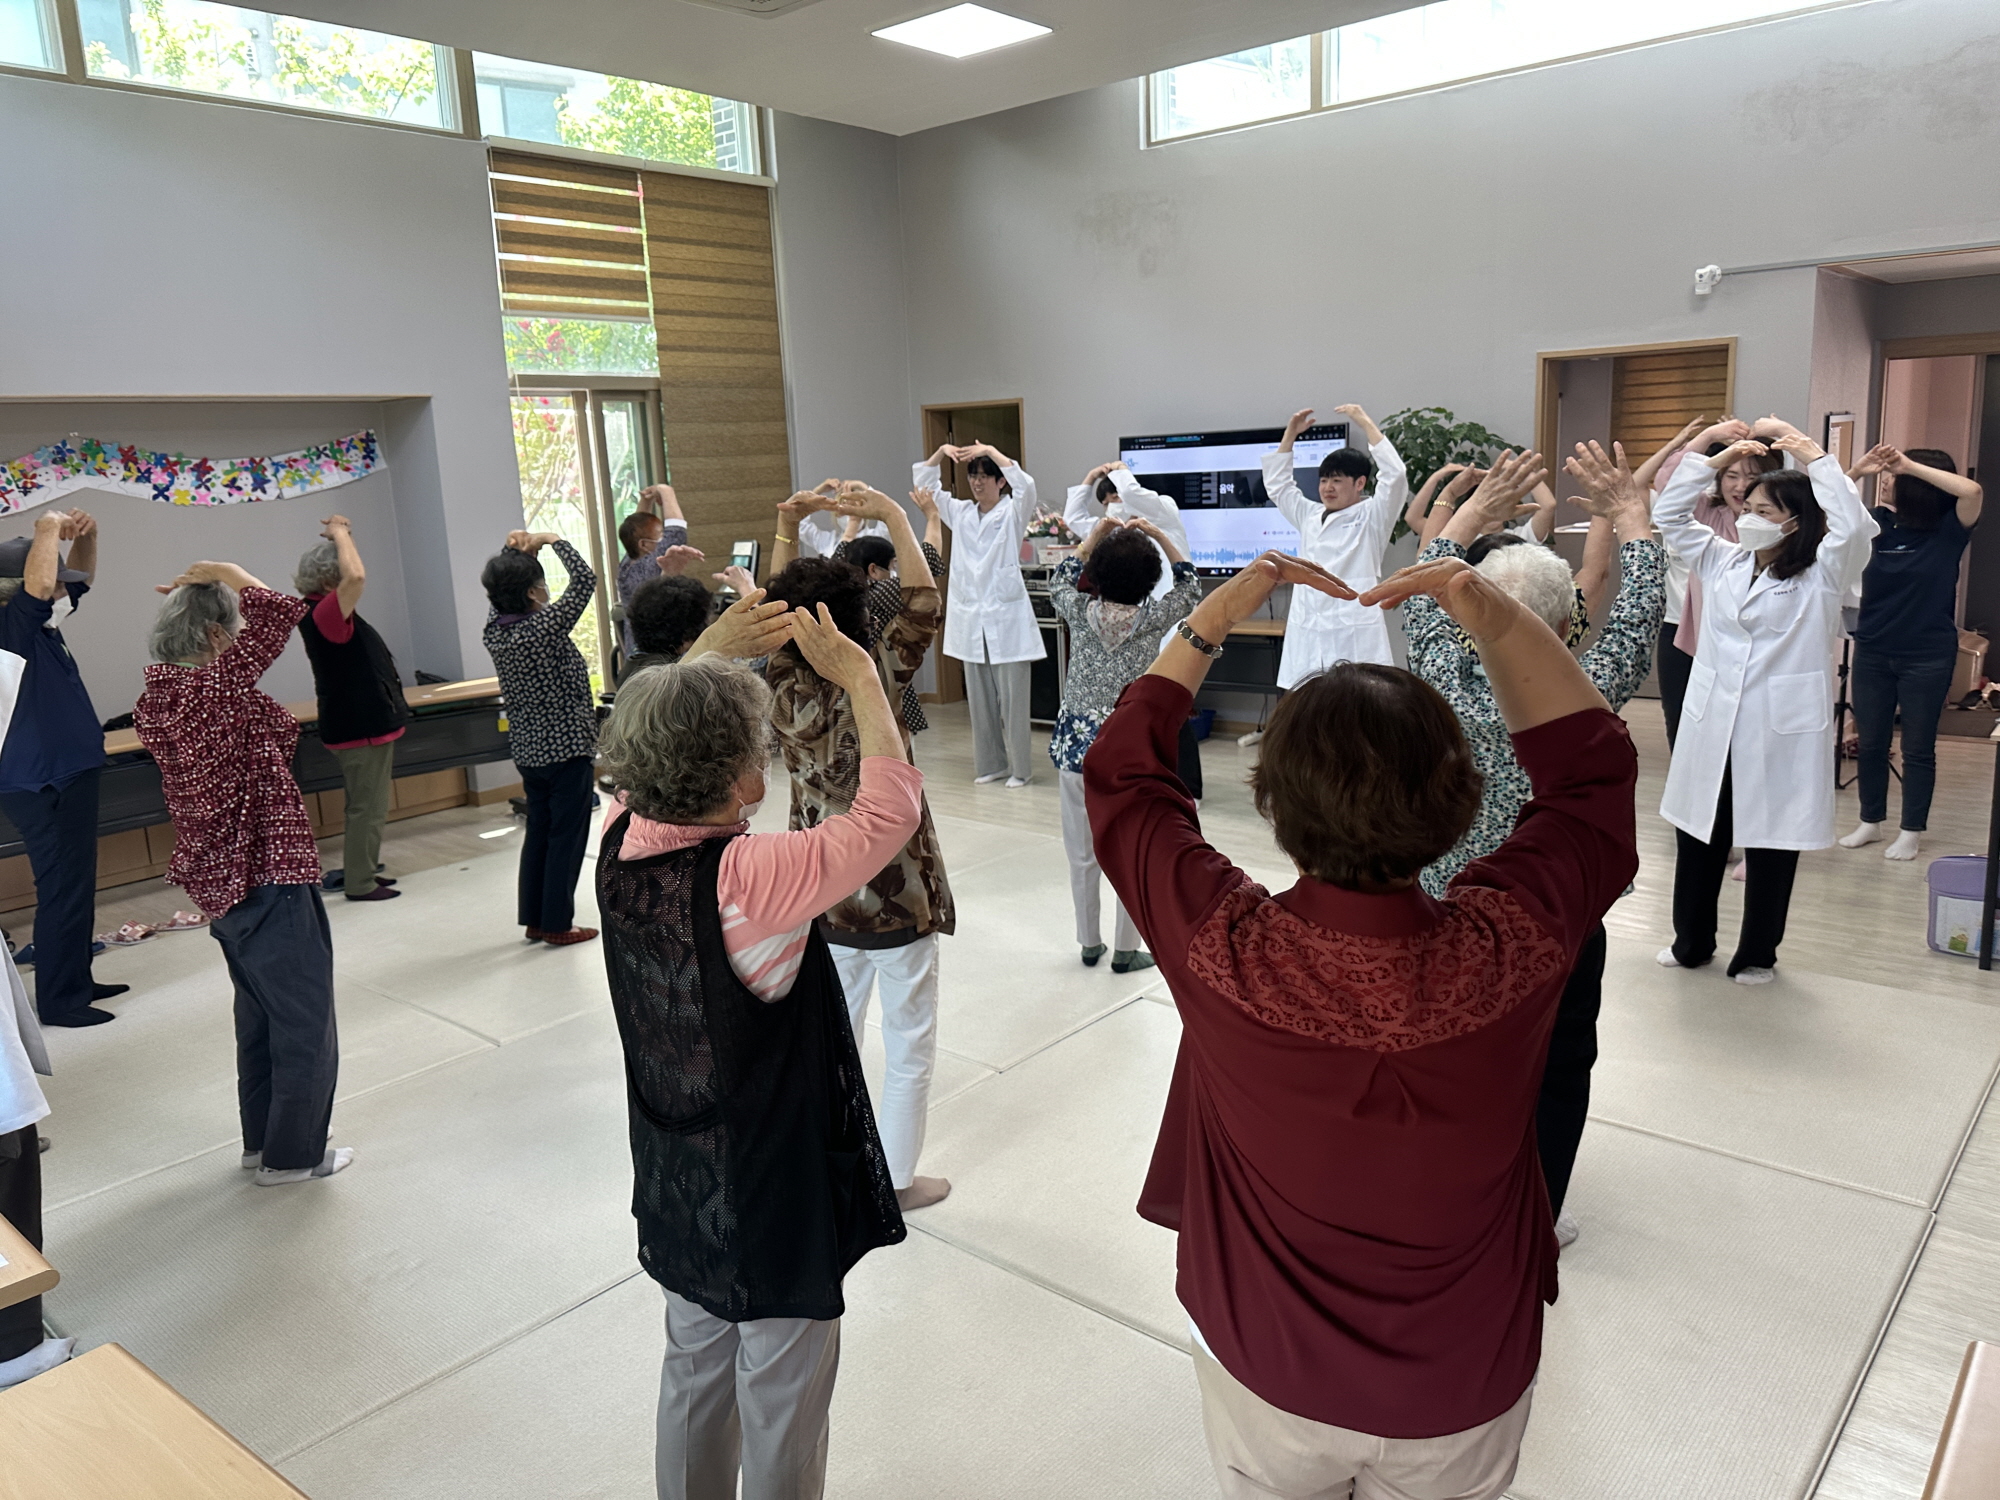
x=176 y=479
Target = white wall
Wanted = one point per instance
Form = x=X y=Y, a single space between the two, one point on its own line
x=166 y=247
x=1423 y=250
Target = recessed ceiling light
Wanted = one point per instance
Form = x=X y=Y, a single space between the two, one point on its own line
x=962 y=31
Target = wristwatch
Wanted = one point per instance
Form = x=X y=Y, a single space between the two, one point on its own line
x=1186 y=633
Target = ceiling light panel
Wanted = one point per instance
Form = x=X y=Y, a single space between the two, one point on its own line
x=963 y=31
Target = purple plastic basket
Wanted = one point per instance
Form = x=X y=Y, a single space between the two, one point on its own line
x=1957 y=889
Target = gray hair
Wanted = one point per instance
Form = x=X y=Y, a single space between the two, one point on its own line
x=181 y=631
x=679 y=737
x=319 y=569
x=9 y=587
x=1539 y=579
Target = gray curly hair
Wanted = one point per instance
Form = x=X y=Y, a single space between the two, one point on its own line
x=319 y=569
x=680 y=736
x=181 y=631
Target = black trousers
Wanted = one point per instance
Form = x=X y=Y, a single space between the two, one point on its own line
x=1673 y=665
x=280 y=957
x=21 y=1206
x=1564 y=1103
x=1883 y=682
x=558 y=833
x=59 y=826
x=1699 y=870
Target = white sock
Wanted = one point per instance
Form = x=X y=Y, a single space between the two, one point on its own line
x=1754 y=975
x=1906 y=845
x=336 y=1159
x=1863 y=835
x=39 y=1360
x=1666 y=960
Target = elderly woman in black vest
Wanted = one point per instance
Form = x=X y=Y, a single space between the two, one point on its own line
x=361 y=707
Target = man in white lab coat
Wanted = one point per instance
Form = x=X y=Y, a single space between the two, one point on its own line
x=1112 y=490
x=1346 y=531
x=989 y=625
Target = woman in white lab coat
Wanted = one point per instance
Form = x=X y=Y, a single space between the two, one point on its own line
x=1345 y=530
x=989 y=626
x=1754 y=759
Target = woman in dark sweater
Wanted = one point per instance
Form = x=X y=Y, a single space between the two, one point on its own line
x=1348 y=1149
x=551 y=723
x=1906 y=645
x=361 y=708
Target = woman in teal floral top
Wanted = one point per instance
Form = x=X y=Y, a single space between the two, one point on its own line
x=1617 y=663
x=1104 y=595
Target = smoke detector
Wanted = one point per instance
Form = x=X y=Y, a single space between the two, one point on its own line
x=755 y=7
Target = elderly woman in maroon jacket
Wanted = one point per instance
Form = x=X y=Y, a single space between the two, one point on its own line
x=1348 y=1151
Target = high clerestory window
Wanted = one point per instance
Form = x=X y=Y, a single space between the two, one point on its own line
x=1425 y=47
x=526 y=101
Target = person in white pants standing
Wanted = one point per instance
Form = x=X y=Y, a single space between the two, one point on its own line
x=884 y=937
x=990 y=626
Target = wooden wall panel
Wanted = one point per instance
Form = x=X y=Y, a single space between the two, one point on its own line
x=1654 y=395
x=722 y=375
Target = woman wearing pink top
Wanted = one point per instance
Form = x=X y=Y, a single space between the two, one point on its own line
x=759 y=1178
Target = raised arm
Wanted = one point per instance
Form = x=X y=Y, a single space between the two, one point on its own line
x=268 y=618
x=82 y=534
x=1392 y=476
x=1844 y=551
x=1673 y=511
x=1420 y=503
x=1499 y=494
x=38 y=574
x=1149 y=505
x=660 y=500
x=353 y=576
x=1594 y=574
x=1648 y=471
x=1232 y=604
x=1971 y=497
x=858 y=503
x=926 y=503
x=1280 y=483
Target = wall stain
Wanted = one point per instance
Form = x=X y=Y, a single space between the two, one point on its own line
x=1139 y=230
x=1946 y=99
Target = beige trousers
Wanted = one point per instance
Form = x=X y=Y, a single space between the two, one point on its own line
x=1259 y=1451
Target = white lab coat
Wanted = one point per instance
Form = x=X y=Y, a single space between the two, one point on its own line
x=820 y=533
x=1082 y=511
x=1760 y=697
x=987 y=617
x=1349 y=544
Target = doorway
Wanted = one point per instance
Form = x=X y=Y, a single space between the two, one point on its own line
x=1639 y=395
x=586 y=446
x=998 y=423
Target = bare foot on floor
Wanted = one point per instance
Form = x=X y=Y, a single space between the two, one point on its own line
x=922 y=1193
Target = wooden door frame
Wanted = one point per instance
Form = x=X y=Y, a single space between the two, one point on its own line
x=950 y=676
x=1019 y=403
x=1938 y=345
x=1545 y=386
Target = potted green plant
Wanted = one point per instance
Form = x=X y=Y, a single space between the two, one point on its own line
x=1429 y=437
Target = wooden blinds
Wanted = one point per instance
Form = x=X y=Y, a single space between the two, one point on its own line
x=1655 y=394
x=722 y=378
x=571 y=238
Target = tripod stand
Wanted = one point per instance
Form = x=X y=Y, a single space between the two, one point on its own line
x=1841 y=708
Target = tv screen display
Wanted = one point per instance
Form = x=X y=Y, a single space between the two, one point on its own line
x=1217 y=479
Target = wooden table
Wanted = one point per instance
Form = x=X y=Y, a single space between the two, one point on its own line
x=23 y=1272
x=104 y=1427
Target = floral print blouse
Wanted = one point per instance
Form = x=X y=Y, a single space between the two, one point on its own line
x=1617 y=663
x=1098 y=673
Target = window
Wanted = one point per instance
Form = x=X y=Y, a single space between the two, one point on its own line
x=581 y=346
x=1261 y=84
x=27 y=40
x=527 y=101
x=1424 y=47
x=253 y=54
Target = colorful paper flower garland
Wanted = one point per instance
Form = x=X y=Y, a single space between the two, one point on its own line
x=176 y=479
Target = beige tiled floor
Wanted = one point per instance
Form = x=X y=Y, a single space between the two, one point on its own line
x=460 y=1315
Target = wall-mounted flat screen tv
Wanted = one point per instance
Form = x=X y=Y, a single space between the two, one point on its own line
x=1217 y=479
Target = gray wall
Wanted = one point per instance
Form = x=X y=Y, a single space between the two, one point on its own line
x=1422 y=250
x=164 y=247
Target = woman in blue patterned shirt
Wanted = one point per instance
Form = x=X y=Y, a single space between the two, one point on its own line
x=1104 y=595
x=1617 y=663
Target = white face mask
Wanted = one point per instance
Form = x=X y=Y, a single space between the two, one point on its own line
x=60 y=609
x=749 y=809
x=1755 y=533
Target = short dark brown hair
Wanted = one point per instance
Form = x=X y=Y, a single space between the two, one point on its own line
x=1365 y=776
x=808 y=582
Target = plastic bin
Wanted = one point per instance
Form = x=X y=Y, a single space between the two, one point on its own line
x=1958 y=886
x=1204 y=722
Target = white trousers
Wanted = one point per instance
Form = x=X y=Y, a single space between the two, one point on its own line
x=907 y=978
x=1085 y=879
x=750 y=1397
x=998 y=699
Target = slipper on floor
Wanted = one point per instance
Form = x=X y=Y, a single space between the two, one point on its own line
x=129 y=935
x=182 y=921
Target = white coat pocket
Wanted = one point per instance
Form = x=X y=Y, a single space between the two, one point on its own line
x=1701 y=683
x=1801 y=703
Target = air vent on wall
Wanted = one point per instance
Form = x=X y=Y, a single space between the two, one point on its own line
x=755 y=7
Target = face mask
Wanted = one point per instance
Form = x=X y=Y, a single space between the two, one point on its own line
x=1755 y=533
x=60 y=609
x=749 y=809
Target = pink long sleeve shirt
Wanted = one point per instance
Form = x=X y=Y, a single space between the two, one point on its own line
x=772 y=885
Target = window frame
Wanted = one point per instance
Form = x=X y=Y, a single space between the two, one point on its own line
x=1322 y=73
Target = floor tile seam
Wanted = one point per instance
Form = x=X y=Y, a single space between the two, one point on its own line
x=1839 y=1427
x=1066 y=1294
x=425 y=1010
x=1054 y=1042
x=486 y=1352
x=1965 y=1140
x=1759 y=1161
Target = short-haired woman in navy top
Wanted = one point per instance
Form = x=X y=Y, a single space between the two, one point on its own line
x=1906 y=644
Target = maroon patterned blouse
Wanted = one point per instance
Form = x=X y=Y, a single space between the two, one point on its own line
x=225 y=755
x=1348 y=1150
